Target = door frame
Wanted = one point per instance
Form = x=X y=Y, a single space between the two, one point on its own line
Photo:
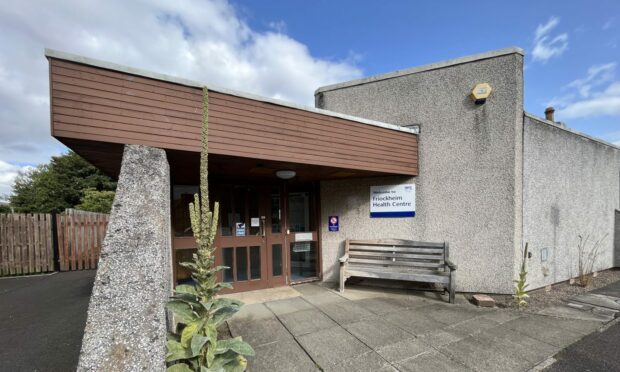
x=188 y=242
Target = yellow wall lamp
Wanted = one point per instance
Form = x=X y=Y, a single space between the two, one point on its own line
x=480 y=93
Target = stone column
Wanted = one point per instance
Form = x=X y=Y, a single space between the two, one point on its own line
x=126 y=326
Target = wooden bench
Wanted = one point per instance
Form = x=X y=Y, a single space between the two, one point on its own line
x=398 y=260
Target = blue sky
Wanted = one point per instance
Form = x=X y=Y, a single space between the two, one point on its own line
x=391 y=35
x=286 y=49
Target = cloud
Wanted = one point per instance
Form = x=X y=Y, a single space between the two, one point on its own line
x=597 y=75
x=596 y=94
x=199 y=40
x=547 y=46
x=609 y=24
x=8 y=173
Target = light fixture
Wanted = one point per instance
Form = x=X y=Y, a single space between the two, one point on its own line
x=285 y=174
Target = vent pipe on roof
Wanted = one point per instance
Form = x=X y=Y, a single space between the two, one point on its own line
x=549 y=113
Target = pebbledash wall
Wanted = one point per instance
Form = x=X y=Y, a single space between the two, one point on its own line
x=470 y=191
x=571 y=187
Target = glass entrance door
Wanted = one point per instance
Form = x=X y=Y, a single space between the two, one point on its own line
x=267 y=235
x=302 y=235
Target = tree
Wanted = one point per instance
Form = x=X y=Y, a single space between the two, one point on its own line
x=58 y=185
x=96 y=201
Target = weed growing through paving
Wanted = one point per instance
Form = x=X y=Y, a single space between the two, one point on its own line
x=196 y=347
x=521 y=295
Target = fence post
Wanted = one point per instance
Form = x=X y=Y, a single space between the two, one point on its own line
x=55 y=242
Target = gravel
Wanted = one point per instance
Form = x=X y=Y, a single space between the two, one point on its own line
x=559 y=293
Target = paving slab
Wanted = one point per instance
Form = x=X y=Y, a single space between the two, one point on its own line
x=384 y=305
x=290 y=305
x=281 y=356
x=583 y=327
x=416 y=321
x=512 y=342
x=260 y=332
x=450 y=314
x=310 y=289
x=482 y=354
x=368 y=362
x=403 y=349
x=501 y=315
x=599 y=300
x=440 y=337
x=344 y=312
x=431 y=361
x=544 y=328
x=570 y=312
x=354 y=293
x=457 y=331
x=252 y=312
x=325 y=298
x=472 y=325
x=307 y=321
x=332 y=346
x=376 y=332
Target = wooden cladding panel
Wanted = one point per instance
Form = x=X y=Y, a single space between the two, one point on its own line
x=91 y=103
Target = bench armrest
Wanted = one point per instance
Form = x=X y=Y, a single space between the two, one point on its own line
x=451 y=265
x=344 y=258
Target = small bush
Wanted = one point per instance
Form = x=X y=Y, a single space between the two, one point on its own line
x=587 y=259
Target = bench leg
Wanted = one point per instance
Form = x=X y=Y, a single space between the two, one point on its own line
x=451 y=289
x=342 y=279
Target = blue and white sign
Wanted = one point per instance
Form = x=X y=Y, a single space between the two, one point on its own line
x=333 y=224
x=239 y=229
x=392 y=201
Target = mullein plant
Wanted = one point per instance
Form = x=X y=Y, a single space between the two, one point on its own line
x=521 y=295
x=195 y=346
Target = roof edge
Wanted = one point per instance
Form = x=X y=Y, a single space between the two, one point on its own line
x=52 y=53
x=428 y=67
x=570 y=130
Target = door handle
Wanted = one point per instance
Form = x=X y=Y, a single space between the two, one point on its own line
x=263 y=225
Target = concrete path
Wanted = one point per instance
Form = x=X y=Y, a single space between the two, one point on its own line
x=601 y=305
x=369 y=329
x=42 y=320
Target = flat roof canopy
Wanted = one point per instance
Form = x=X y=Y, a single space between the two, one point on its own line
x=97 y=107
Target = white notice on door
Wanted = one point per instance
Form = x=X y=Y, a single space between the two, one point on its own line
x=303 y=237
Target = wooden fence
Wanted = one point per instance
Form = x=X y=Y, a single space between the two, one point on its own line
x=80 y=235
x=25 y=244
x=27 y=241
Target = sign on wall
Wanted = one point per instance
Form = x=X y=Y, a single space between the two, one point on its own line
x=392 y=201
x=333 y=224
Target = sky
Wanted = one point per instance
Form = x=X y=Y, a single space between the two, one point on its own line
x=286 y=49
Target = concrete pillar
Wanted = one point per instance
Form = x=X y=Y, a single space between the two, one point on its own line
x=126 y=326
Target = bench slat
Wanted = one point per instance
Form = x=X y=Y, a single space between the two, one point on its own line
x=416 y=277
x=411 y=243
x=395 y=263
x=396 y=249
x=436 y=257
